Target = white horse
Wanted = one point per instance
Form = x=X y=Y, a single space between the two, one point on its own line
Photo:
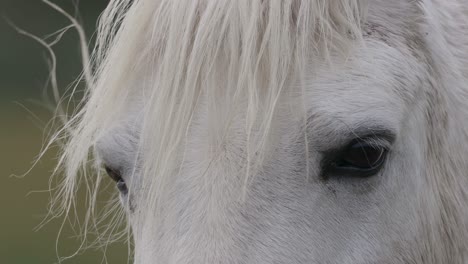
x=293 y=131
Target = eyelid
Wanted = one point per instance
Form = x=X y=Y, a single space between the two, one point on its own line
x=375 y=137
x=375 y=140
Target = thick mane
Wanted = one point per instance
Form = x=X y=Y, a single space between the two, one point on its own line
x=168 y=52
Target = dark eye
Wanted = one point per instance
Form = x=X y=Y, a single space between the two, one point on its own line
x=116 y=176
x=360 y=158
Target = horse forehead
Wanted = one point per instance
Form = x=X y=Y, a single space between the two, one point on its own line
x=377 y=81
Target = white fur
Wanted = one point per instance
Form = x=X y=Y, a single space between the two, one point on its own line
x=218 y=113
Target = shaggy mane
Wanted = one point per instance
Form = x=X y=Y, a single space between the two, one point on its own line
x=170 y=49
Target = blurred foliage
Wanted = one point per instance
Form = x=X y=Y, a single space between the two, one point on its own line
x=23 y=118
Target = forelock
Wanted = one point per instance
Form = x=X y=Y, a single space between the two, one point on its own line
x=167 y=50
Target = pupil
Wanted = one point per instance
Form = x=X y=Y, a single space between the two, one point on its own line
x=112 y=174
x=115 y=176
x=362 y=156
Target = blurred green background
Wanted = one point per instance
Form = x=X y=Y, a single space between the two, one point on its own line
x=23 y=117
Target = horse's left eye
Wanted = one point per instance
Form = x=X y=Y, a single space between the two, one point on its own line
x=360 y=158
x=116 y=176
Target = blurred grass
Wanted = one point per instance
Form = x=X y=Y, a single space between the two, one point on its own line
x=23 y=115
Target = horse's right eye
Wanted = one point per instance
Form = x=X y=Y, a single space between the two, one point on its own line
x=116 y=176
x=361 y=157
